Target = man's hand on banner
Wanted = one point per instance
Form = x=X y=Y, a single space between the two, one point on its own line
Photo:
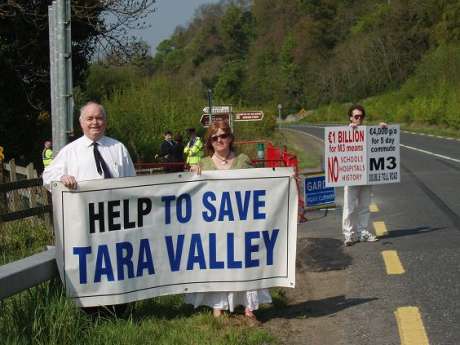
x=69 y=181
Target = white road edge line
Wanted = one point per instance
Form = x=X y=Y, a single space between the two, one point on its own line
x=440 y=137
x=431 y=153
x=305 y=133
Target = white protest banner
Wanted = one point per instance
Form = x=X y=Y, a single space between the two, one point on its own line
x=121 y=240
x=361 y=156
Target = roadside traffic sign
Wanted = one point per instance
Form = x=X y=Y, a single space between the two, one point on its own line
x=316 y=193
x=218 y=109
x=215 y=117
x=249 y=116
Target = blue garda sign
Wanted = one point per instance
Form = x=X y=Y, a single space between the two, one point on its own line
x=316 y=193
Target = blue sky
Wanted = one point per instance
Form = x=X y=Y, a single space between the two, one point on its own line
x=168 y=15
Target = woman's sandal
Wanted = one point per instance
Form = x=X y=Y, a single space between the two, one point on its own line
x=217 y=312
x=248 y=313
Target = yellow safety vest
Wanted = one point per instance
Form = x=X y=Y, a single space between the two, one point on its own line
x=47 y=157
x=194 y=151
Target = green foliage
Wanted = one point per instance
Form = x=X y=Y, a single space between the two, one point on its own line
x=431 y=97
x=103 y=79
x=236 y=30
x=168 y=57
x=229 y=82
x=373 y=19
x=139 y=115
x=291 y=76
x=308 y=53
x=448 y=28
x=22 y=238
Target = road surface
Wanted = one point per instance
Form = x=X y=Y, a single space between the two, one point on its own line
x=421 y=215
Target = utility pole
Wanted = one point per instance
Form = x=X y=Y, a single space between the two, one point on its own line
x=68 y=67
x=280 y=107
x=210 y=106
x=59 y=18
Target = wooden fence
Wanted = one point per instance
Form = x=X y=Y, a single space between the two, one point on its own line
x=22 y=194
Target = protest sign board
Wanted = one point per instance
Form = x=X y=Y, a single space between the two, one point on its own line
x=121 y=240
x=316 y=193
x=363 y=155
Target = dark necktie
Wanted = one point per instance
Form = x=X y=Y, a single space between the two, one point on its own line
x=101 y=165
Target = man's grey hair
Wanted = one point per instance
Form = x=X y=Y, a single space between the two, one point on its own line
x=83 y=109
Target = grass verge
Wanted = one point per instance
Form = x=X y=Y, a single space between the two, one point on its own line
x=308 y=152
x=44 y=315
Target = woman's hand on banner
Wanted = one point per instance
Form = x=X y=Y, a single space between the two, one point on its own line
x=195 y=168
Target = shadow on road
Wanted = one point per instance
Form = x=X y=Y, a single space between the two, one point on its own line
x=409 y=232
x=321 y=254
x=322 y=307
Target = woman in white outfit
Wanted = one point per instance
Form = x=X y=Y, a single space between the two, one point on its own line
x=219 y=146
x=357 y=199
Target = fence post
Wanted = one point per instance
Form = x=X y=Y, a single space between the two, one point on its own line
x=30 y=174
x=3 y=203
x=12 y=164
x=1 y=171
x=13 y=178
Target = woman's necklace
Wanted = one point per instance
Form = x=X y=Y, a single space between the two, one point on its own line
x=223 y=160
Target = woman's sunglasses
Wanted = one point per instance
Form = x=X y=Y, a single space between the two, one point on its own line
x=357 y=117
x=222 y=136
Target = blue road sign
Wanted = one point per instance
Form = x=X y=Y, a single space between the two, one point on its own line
x=316 y=192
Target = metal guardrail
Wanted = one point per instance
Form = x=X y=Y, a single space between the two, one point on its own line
x=26 y=273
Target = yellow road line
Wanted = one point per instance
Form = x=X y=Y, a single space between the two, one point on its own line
x=410 y=325
x=380 y=229
x=373 y=208
x=392 y=262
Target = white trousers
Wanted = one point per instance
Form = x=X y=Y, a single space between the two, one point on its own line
x=355 y=217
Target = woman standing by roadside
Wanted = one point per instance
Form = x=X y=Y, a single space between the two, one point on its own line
x=357 y=199
x=221 y=156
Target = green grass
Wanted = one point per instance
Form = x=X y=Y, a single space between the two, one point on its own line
x=22 y=238
x=308 y=158
x=44 y=315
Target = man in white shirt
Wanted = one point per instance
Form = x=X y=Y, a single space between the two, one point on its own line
x=92 y=156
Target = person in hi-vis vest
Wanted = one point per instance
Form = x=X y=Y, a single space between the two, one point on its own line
x=194 y=149
x=47 y=153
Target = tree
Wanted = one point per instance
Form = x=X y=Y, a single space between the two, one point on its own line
x=236 y=30
x=24 y=58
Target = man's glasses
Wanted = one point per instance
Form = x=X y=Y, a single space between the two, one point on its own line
x=222 y=136
x=357 y=117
